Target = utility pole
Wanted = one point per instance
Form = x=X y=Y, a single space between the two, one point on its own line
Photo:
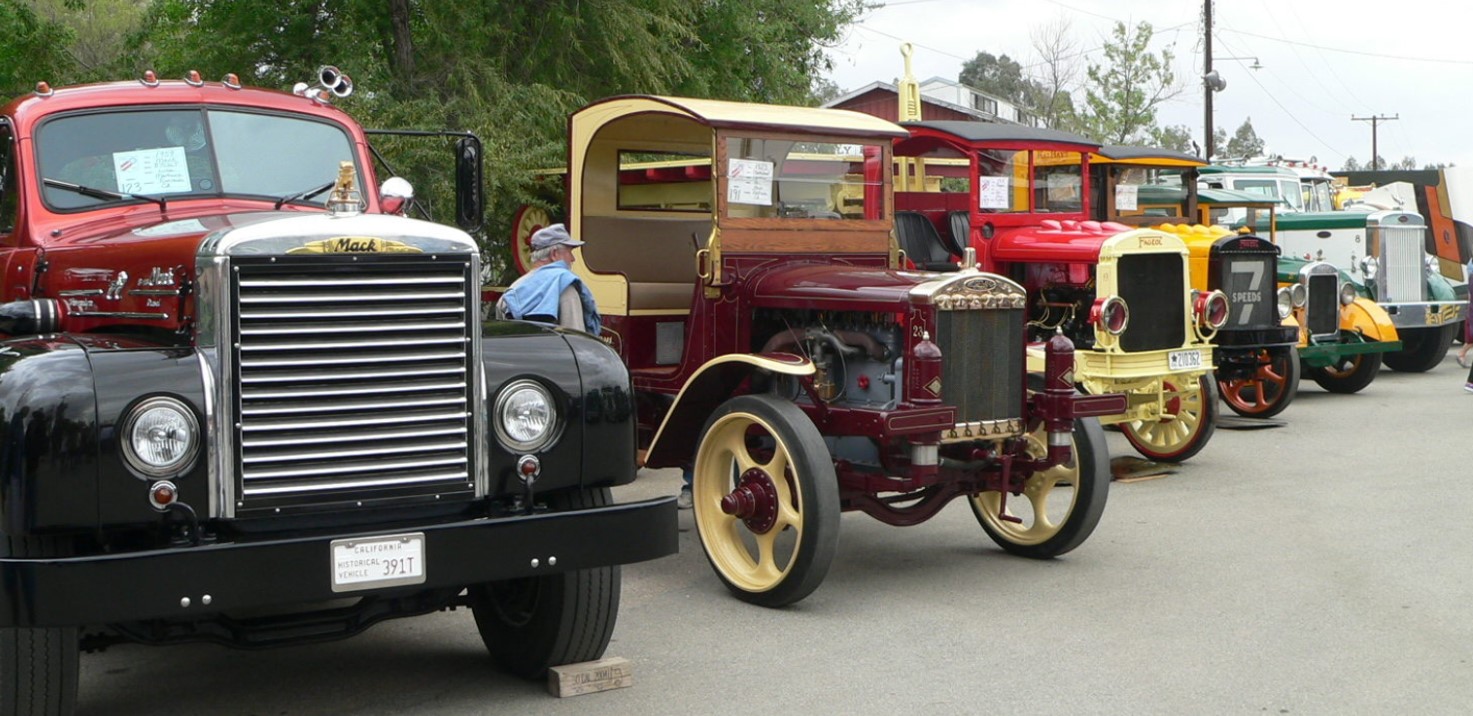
x=1375 y=120
x=1206 y=74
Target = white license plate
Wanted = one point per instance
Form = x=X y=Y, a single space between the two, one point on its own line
x=374 y=562
x=1184 y=360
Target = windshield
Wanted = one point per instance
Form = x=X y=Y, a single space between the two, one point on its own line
x=186 y=152
x=780 y=178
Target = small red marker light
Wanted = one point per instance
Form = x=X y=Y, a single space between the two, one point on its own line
x=43 y=89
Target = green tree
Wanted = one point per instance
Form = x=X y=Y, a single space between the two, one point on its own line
x=509 y=70
x=1245 y=142
x=1351 y=165
x=100 y=31
x=1177 y=138
x=32 y=49
x=1000 y=76
x=1123 y=93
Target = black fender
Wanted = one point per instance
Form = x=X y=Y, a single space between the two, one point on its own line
x=48 y=436
x=591 y=388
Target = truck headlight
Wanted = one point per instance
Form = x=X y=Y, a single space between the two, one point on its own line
x=1211 y=308
x=160 y=437
x=1431 y=262
x=1300 y=294
x=1286 y=302
x=1347 y=293
x=1369 y=267
x=1111 y=314
x=525 y=418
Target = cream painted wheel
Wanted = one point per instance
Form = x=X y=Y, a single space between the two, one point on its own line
x=1189 y=421
x=766 y=501
x=1057 y=508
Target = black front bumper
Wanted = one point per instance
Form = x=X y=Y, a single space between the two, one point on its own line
x=1255 y=338
x=195 y=582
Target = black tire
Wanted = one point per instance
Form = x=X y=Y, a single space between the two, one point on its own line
x=1085 y=485
x=1183 y=435
x=1422 y=349
x=39 y=666
x=1358 y=373
x=1271 y=389
x=534 y=623
x=779 y=551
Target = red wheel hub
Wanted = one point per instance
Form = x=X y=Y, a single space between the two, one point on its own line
x=754 y=501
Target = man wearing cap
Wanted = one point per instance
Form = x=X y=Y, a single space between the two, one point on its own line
x=551 y=292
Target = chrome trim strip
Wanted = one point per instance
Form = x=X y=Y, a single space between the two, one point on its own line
x=341 y=345
x=352 y=375
x=256 y=475
x=439 y=477
x=349 y=438
x=298 y=409
x=380 y=390
x=335 y=298
x=80 y=292
x=213 y=457
x=314 y=330
x=154 y=292
x=333 y=315
x=266 y=362
x=120 y=314
x=314 y=455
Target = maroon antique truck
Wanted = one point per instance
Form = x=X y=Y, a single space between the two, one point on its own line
x=743 y=259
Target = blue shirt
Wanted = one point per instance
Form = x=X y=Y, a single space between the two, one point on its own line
x=537 y=294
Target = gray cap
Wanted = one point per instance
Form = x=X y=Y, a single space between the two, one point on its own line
x=554 y=235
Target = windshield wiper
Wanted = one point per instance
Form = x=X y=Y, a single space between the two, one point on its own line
x=96 y=193
x=301 y=195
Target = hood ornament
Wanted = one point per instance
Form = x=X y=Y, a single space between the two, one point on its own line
x=345 y=199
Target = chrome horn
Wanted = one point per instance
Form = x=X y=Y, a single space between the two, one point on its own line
x=331 y=82
x=335 y=81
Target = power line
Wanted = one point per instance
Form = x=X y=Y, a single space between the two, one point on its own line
x=1374 y=119
x=1355 y=52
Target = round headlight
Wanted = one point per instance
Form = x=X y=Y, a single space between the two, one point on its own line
x=1110 y=314
x=525 y=417
x=1369 y=267
x=1347 y=293
x=1286 y=302
x=1431 y=262
x=1300 y=294
x=160 y=437
x=1214 y=311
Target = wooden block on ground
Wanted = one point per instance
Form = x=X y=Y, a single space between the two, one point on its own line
x=588 y=677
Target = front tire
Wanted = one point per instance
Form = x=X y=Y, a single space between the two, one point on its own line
x=39 y=666
x=1269 y=390
x=1351 y=376
x=534 y=623
x=1062 y=504
x=1188 y=424
x=766 y=500
x=1422 y=348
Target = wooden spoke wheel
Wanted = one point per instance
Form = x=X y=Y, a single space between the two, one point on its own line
x=1190 y=418
x=1057 y=508
x=1350 y=375
x=528 y=220
x=766 y=501
x=1269 y=390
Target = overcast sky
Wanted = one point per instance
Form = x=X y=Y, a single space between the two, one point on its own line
x=1322 y=63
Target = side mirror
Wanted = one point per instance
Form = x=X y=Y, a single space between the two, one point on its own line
x=470 y=193
x=395 y=195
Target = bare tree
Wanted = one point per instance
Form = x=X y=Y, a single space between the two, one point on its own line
x=1058 y=71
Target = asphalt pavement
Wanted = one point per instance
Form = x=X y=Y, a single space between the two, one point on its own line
x=1321 y=567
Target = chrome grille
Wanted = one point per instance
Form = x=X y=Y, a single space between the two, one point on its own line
x=1153 y=289
x=1402 y=253
x=1324 y=304
x=354 y=379
x=982 y=356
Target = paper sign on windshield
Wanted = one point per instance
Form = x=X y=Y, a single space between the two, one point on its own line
x=1125 y=197
x=749 y=181
x=152 y=171
x=992 y=193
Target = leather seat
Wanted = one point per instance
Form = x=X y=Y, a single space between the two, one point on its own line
x=922 y=243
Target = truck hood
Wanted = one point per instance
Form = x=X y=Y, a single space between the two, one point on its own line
x=1055 y=242
x=818 y=285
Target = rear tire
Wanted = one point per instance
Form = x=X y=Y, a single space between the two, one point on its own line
x=39 y=666
x=534 y=623
x=1422 y=348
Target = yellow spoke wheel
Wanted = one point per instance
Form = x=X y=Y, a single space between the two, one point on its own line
x=1057 y=508
x=1189 y=420
x=766 y=501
